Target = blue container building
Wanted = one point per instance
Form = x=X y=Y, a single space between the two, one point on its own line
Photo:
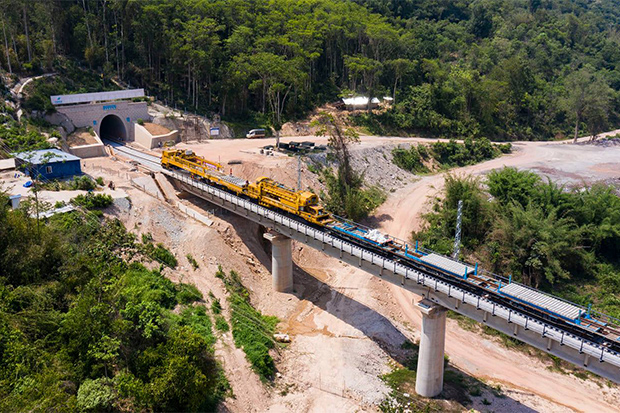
x=48 y=163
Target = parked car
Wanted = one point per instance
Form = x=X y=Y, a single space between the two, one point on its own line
x=256 y=133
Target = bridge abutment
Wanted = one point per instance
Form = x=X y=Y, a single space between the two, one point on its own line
x=429 y=376
x=281 y=262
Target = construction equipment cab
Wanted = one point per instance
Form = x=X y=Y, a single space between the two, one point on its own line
x=256 y=133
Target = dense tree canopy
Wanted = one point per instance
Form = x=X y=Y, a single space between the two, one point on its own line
x=82 y=329
x=501 y=69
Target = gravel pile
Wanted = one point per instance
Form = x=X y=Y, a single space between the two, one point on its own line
x=606 y=143
x=378 y=169
x=170 y=224
x=123 y=204
x=375 y=164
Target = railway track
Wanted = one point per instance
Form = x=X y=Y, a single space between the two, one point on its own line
x=151 y=162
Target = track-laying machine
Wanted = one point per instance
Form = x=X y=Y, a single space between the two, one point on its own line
x=264 y=191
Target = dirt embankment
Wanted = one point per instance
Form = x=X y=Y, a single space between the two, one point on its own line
x=81 y=137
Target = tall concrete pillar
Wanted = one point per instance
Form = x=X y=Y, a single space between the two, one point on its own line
x=281 y=262
x=429 y=377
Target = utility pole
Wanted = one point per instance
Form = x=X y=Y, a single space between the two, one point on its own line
x=457 y=235
x=299 y=173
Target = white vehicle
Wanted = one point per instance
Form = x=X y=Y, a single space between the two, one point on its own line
x=256 y=133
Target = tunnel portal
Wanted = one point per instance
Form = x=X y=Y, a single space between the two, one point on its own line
x=112 y=127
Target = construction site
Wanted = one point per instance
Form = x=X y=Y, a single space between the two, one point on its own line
x=350 y=319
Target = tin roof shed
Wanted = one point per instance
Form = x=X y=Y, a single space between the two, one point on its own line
x=49 y=163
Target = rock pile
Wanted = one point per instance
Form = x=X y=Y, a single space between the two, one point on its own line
x=378 y=168
x=605 y=142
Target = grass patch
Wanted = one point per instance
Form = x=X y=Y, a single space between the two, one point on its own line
x=92 y=201
x=82 y=183
x=403 y=398
x=192 y=261
x=457 y=386
x=399 y=377
x=221 y=324
x=252 y=331
x=160 y=254
x=200 y=322
x=188 y=293
x=475 y=391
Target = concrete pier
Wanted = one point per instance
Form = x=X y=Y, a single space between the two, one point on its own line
x=281 y=262
x=429 y=377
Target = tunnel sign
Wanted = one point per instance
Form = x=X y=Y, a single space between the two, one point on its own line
x=109 y=107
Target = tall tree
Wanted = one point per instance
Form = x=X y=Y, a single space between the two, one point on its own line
x=588 y=96
x=339 y=140
x=399 y=68
x=368 y=69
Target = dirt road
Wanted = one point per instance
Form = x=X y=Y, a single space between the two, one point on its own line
x=400 y=214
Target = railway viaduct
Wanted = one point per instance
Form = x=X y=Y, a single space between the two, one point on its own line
x=438 y=295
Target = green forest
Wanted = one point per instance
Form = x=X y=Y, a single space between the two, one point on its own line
x=85 y=326
x=500 y=69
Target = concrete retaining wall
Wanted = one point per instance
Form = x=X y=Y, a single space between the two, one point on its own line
x=89 y=151
x=144 y=138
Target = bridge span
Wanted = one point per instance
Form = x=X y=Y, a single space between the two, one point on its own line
x=438 y=294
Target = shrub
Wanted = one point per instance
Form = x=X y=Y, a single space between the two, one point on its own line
x=192 y=261
x=350 y=201
x=95 y=395
x=99 y=181
x=91 y=201
x=147 y=237
x=188 y=293
x=410 y=159
x=83 y=183
x=448 y=154
x=161 y=254
x=216 y=307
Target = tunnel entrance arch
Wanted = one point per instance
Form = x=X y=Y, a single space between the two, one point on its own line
x=112 y=127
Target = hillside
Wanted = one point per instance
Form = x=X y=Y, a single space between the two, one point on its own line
x=500 y=69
